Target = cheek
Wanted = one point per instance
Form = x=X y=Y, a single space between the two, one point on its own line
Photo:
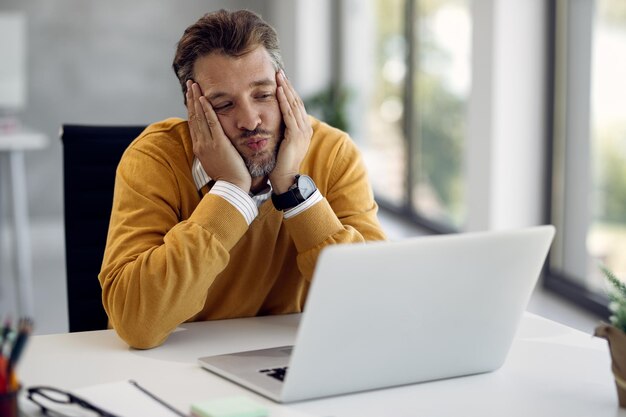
x=228 y=125
x=274 y=117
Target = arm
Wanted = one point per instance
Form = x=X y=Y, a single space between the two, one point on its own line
x=157 y=269
x=151 y=277
x=297 y=136
x=346 y=214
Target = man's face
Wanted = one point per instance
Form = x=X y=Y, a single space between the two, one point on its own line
x=242 y=91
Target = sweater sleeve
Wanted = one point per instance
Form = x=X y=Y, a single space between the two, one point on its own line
x=346 y=214
x=157 y=269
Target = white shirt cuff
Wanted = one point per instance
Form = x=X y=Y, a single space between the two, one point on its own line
x=238 y=198
x=315 y=198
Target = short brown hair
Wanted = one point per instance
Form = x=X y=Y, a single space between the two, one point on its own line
x=230 y=33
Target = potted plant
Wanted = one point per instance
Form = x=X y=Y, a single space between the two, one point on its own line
x=615 y=333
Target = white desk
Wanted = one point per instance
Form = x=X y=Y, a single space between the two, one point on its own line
x=552 y=370
x=12 y=147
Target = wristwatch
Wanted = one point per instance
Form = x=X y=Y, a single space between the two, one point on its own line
x=302 y=189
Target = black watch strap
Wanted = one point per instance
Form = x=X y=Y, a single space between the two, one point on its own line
x=298 y=193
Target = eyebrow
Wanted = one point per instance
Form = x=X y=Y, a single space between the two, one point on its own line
x=259 y=83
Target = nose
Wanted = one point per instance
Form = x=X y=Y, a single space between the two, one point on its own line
x=248 y=116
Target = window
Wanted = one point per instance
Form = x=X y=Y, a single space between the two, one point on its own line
x=386 y=148
x=413 y=135
x=589 y=164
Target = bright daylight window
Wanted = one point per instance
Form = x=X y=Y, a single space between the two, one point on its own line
x=441 y=91
x=413 y=141
x=606 y=240
x=589 y=198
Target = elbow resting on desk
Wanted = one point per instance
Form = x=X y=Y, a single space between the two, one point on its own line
x=139 y=339
x=139 y=321
x=140 y=329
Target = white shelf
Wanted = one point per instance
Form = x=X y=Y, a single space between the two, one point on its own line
x=22 y=141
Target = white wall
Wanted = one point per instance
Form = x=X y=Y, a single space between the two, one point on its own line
x=507 y=115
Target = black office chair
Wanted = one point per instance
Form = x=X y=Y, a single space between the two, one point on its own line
x=90 y=157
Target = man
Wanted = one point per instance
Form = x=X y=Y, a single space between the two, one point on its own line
x=224 y=215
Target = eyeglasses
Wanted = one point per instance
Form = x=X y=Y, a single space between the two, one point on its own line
x=55 y=402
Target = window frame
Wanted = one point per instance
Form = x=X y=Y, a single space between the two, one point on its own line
x=554 y=279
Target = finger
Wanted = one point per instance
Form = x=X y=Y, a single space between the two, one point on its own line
x=211 y=119
x=190 y=114
x=200 y=119
x=291 y=101
x=294 y=99
x=188 y=98
x=285 y=107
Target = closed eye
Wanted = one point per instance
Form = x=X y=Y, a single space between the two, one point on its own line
x=265 y=96
x=222 y=106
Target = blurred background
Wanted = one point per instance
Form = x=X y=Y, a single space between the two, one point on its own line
x=471 y=115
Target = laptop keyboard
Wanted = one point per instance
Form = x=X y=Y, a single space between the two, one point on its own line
x=278 y=373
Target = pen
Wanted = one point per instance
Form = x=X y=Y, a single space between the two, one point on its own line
x=25 y=328
x=4 y=334
x=157 y=399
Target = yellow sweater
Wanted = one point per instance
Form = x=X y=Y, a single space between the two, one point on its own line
x=174 y=255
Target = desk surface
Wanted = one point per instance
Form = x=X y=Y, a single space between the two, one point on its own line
x=552 y=370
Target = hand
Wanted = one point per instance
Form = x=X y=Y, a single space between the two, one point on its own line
x=216 y=153
x=298 y=133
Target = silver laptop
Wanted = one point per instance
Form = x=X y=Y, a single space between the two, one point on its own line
x=395 y=313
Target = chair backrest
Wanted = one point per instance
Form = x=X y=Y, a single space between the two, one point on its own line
x=90 y=157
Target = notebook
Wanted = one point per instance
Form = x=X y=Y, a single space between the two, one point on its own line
x=394 y=313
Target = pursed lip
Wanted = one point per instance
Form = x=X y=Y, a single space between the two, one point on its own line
x=257 y=143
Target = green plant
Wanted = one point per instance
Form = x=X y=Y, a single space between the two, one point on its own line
x=617 y=297
x=331 y=106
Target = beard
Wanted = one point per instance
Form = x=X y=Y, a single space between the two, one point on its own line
x=262 y=163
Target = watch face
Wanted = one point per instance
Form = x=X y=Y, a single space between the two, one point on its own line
x=306 y=186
